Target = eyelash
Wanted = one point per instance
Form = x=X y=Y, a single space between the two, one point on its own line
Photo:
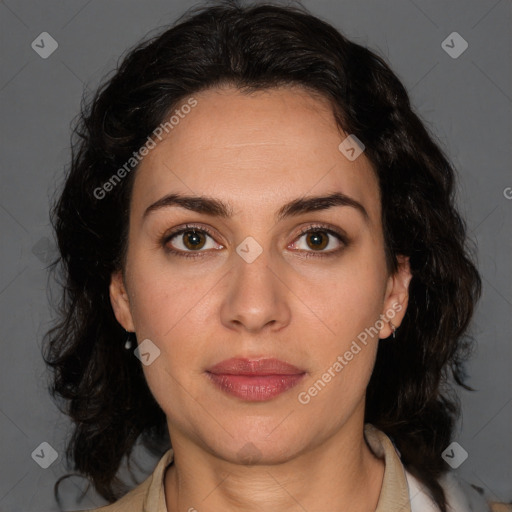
x=308 y=254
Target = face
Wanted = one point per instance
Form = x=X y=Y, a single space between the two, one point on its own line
x=243 y=276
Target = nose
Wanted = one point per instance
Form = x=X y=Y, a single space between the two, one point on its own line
x=257 y=297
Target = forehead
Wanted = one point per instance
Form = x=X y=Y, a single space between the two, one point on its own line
x=255 y=151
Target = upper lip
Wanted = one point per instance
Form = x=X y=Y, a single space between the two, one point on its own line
x=243 y=366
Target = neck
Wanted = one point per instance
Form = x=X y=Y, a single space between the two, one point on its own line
x=340 y=474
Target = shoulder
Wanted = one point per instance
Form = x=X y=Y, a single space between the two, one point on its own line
x=460 y=495
x=501 y=507
x=149 y=495
x=133 y=501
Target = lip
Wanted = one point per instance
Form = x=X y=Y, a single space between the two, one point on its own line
x=254 y=380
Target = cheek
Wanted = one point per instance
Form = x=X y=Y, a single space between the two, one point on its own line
x=164 y=308
x=348 y=297
x=348 y=306
x=162 y=297
x=343 y=359
x=173 y=309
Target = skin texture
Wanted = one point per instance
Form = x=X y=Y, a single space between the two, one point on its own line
x=258 y=152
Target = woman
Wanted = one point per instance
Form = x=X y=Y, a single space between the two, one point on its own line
x=252 y=199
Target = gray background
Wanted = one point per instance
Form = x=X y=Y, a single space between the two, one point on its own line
x=466 y=102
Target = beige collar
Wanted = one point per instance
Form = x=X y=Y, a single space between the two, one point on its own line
x=394 y=494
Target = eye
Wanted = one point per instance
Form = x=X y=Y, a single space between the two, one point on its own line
x=321 y=240
x=193 y=241
x=188 y=240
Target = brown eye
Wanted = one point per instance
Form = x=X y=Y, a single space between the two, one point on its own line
x=317 y=240
x=190 y=240
x=320 y=241
x=193 y=240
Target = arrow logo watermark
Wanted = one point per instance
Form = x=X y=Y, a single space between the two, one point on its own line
x=249 y=249
x=147 y=352
x=454 y=45
x=351 y=147
x=454 y=455
x=44 y=45
x=45 y=455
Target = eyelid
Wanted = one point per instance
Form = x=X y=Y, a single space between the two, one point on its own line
x=330 y=230
x=338 y=232
x=165 y=239
x=327 y=228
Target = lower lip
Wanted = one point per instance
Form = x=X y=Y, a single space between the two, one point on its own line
x=255 y=388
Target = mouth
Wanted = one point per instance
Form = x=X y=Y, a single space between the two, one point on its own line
x=254 y=380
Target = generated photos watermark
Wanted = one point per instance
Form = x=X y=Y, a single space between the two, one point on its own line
x=137 y=156
x=304 y=397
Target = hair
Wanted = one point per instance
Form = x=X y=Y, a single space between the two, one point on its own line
x=101 y=386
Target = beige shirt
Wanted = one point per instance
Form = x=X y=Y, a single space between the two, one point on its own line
x=399 y=488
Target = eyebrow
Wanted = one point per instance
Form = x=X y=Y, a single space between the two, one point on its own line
x=218 y=208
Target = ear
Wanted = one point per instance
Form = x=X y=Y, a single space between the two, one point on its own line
x=397 y=297
x=120 y=302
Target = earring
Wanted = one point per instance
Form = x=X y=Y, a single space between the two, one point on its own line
x=128 y=342
x=394 y=329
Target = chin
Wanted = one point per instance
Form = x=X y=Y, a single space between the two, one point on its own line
x=261 y=442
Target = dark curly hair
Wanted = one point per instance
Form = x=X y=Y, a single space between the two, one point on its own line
x=101 y=386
